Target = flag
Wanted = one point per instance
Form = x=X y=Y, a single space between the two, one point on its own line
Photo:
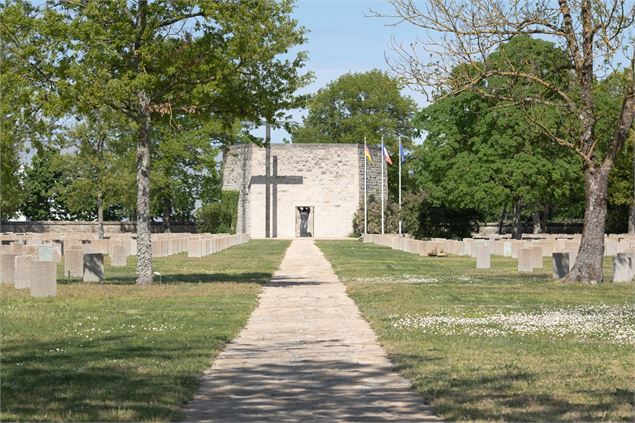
x=387 y=156
x=402 y=153
x=367 y=154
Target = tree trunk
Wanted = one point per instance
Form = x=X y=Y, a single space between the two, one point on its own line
x=544 y=219
x=631 y=221
x=100 y=216
x=501 y=221
x=517 y=230
x=167 y=212
x=588 y=265
x=537 y=227
x=144 y=242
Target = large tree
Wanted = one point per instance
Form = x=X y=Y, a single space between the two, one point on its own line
x=97 y=170
x=27 y=117
x=41 y=199
x=153 y=61
x=357 y=106
x=595 y=36
x=485 y=157
x=184 y=167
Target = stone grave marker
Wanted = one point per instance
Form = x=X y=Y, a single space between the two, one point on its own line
x=525 y=260
x=23 y=266
x=43 y=279
x=536 y=257
x=194 y=247
x=93 y=267
x=74 y=262
x=483 y=258
x=631 y=253
x=7 y=268
x=507 y=249
x=622 y=267
x=119 y=256
x=467 y=246
x=48 y=252
x=560 y=262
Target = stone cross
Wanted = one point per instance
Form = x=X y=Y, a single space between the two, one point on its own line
x=274 y=180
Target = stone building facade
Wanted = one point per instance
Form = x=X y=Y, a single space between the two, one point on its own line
x=315 y=188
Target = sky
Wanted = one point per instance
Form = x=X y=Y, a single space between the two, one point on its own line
x=343 y=38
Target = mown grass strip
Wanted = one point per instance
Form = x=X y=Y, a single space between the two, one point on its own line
x=494 y=372
x=120 y=352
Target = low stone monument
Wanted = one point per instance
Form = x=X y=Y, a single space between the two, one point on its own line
x=507 y=249
x=483 y=258
x=7 y=269
x=23 y=271
x=195 y=247
x=622 y=267
x=560 y=266
x=48 y=252
x=525 y=261
x=93 y=267
x=74 y=262
x=16 y=247
x=536 y=257
x=119 y=256
x=43 y=279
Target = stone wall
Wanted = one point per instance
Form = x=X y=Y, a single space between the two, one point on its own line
x=89 y=227
x=527 y=228
x=332 y=182
x=373 y=173
x=236 y=175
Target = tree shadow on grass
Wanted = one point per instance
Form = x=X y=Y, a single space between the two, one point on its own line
x=260 y=278
x=175 y=278
x=483 y=396
x=110 y=378
x=93 y=384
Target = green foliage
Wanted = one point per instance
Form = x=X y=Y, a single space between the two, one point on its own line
x=22 y=103
x=621 y=177
x=10 y=185
x=423 y=219
x=183 y=162
x=98 y=166
x=391 y=217
x=357 y=106
x=155 y=65
x=41 y=200
x=481 y=156
x=219 y=217
x=420 y=218
x=197 y=59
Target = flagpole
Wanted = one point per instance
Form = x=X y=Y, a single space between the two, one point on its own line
x=382 y=185
x=399 y=158
x=365 y=193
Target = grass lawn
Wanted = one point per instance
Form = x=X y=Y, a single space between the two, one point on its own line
x=121 y=352
x=495 y=344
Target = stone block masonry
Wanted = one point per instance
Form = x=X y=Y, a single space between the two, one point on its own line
x=329 y=178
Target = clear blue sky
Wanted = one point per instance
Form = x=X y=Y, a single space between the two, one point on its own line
x=342 y=38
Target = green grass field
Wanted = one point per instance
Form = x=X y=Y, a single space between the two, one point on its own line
x=496 y=345
x=120 y=352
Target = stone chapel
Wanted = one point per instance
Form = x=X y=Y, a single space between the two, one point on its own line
x=314 y=189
